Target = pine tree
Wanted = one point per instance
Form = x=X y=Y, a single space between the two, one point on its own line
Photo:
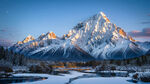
x=2 y=52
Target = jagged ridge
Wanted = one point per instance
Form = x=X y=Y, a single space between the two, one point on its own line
x=95 y=38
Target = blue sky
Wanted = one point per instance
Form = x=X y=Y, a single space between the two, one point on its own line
x=19 y=18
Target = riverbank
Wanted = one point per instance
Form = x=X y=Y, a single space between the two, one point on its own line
x=76 y=77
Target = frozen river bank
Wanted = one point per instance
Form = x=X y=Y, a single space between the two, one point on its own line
x=78 y=78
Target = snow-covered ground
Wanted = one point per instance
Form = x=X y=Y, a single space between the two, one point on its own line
x=106 y=80
x=78 y=78
x=52 y=79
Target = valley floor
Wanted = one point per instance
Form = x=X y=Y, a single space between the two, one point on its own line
x=78 y=78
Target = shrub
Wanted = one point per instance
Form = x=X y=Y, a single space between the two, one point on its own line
x=35 y=69
x=5 y=69
x=40 y=69
x=113 y=68
x=145 y=77
x=135 y=76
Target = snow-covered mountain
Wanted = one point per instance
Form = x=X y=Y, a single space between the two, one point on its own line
x=95 y=38
x=144 y=45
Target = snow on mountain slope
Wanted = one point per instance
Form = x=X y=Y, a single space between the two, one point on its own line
x=144 y=45
x=34 y=44
x=95 y=38
x=103 y=39
x=148 y=52
x=46 y=47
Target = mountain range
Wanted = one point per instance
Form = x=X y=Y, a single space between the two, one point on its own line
x=95 y=38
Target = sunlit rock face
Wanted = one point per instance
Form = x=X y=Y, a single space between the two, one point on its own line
x=19 y=42
x=122 y=33
x=52 y=35
x=28 y=38
x=48 y=35
x=94 y=38
x=131 y=39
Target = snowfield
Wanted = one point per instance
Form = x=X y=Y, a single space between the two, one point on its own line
x=106 y=80
x=78 y=78
x=52 y=79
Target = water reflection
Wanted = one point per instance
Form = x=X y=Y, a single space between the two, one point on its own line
x=113 y=74
x=19 y=79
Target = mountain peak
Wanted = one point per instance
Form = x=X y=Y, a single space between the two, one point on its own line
x=48 y=35
x=104 y=16
x=95 y=37
x=51 y=35
x=98 y=16
x=19 y=42
x=102 y=13
x=28 y=38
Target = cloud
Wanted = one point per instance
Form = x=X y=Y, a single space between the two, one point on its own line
x=6 y=43
x=145 y=33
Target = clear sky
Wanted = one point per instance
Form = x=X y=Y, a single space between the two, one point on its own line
x=19 y=18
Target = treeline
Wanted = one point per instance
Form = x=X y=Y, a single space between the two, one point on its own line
x=75 y=64
x=138 y=61
x=9 y=58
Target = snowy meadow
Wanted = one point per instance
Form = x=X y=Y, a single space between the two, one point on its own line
x=75 y=77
